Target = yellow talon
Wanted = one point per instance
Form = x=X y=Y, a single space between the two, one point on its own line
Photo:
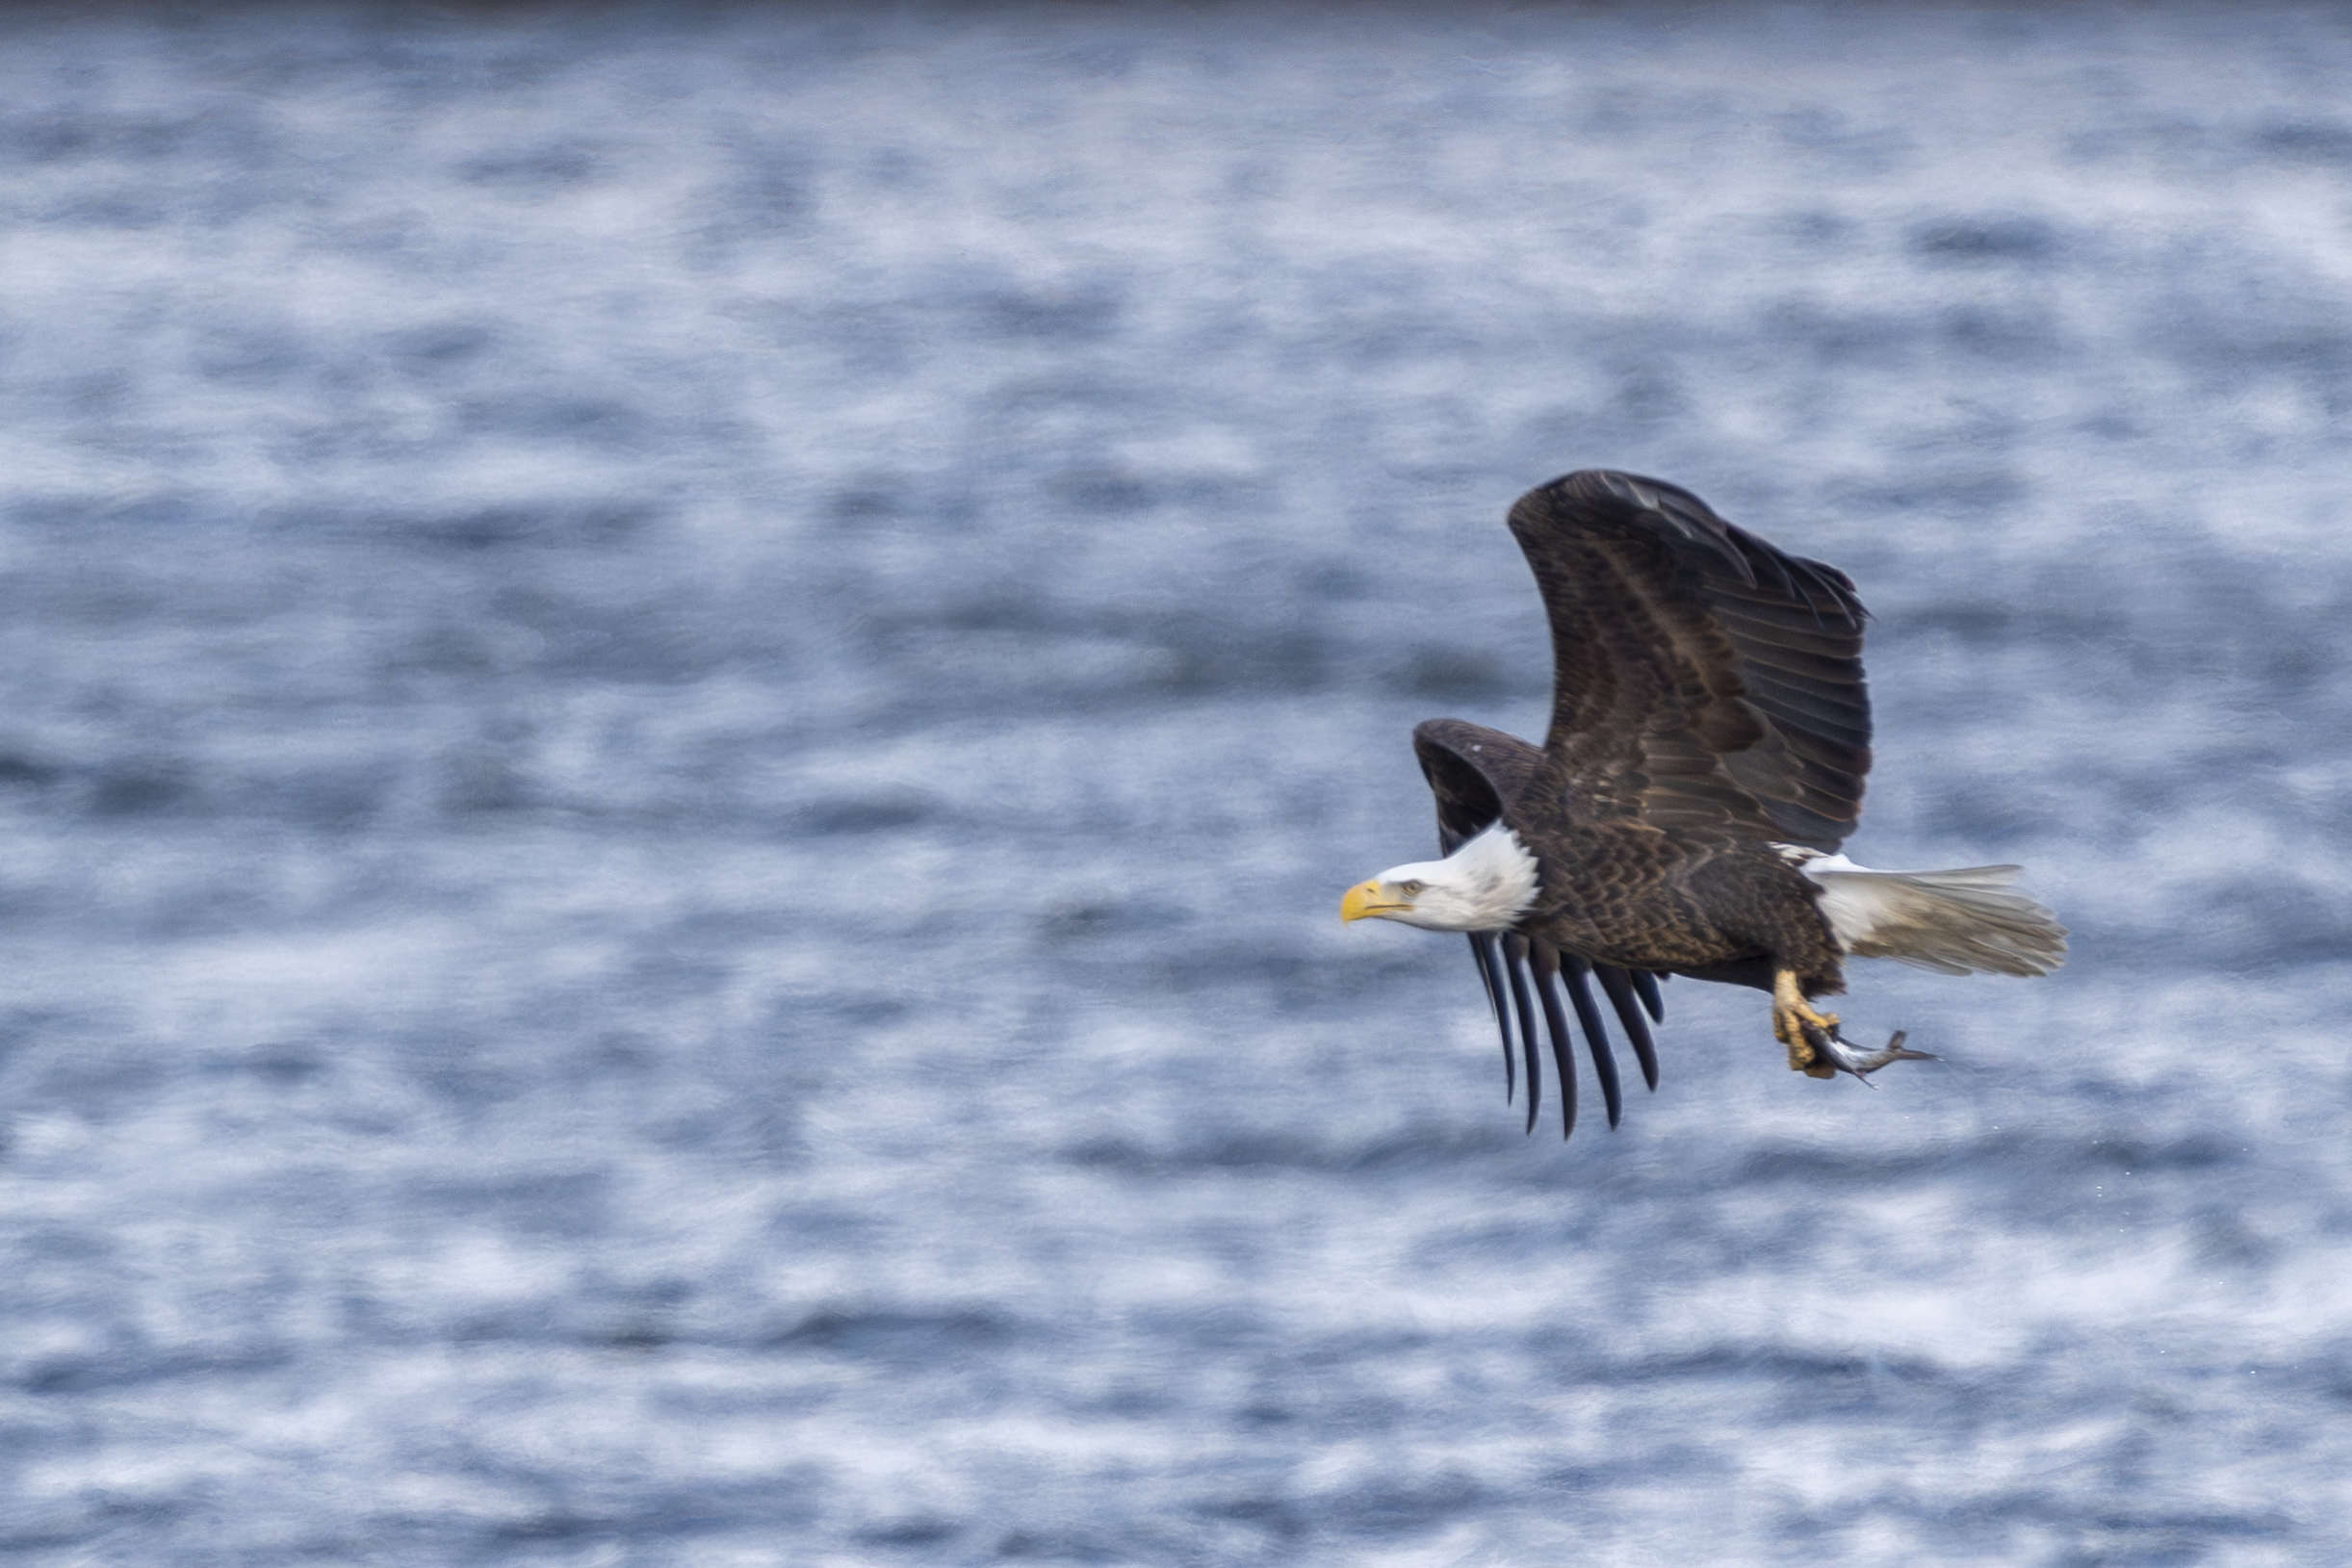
x=1793 y=1020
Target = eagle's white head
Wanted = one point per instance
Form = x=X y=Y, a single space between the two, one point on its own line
x=1486 y=884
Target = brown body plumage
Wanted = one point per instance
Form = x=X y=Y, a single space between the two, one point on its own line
x=1710 y=734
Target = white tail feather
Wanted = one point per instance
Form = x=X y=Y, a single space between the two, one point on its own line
x=1952 y=921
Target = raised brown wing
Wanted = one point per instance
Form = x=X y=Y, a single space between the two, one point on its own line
x=1473 y=771
x=1702 y=678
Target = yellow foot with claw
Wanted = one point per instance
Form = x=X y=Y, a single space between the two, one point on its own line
x=1807 y=1034
x=1816 y=1048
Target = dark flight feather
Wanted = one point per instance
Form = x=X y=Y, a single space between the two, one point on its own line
x=1646 y=985
x=1596 y=1037
x=1514 y=964
x=1543 y=960
x=1621 y=992
x=1483 y=948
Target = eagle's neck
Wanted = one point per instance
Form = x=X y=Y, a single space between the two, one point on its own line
x=1485 y=885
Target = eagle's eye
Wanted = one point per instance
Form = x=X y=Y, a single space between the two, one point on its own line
x=1411 y=890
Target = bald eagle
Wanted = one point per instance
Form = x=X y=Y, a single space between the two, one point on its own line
x=1709 y=738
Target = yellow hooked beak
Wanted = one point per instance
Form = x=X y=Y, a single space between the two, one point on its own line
x=1363 y=899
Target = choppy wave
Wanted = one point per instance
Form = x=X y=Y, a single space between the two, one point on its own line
x=688 y=693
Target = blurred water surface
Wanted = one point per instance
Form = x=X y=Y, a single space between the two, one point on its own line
x=688 y=693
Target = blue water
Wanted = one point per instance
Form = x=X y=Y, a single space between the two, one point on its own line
x=687 y=694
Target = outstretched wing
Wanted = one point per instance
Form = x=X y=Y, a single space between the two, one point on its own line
x=1473 y=770
x=1702 y=678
